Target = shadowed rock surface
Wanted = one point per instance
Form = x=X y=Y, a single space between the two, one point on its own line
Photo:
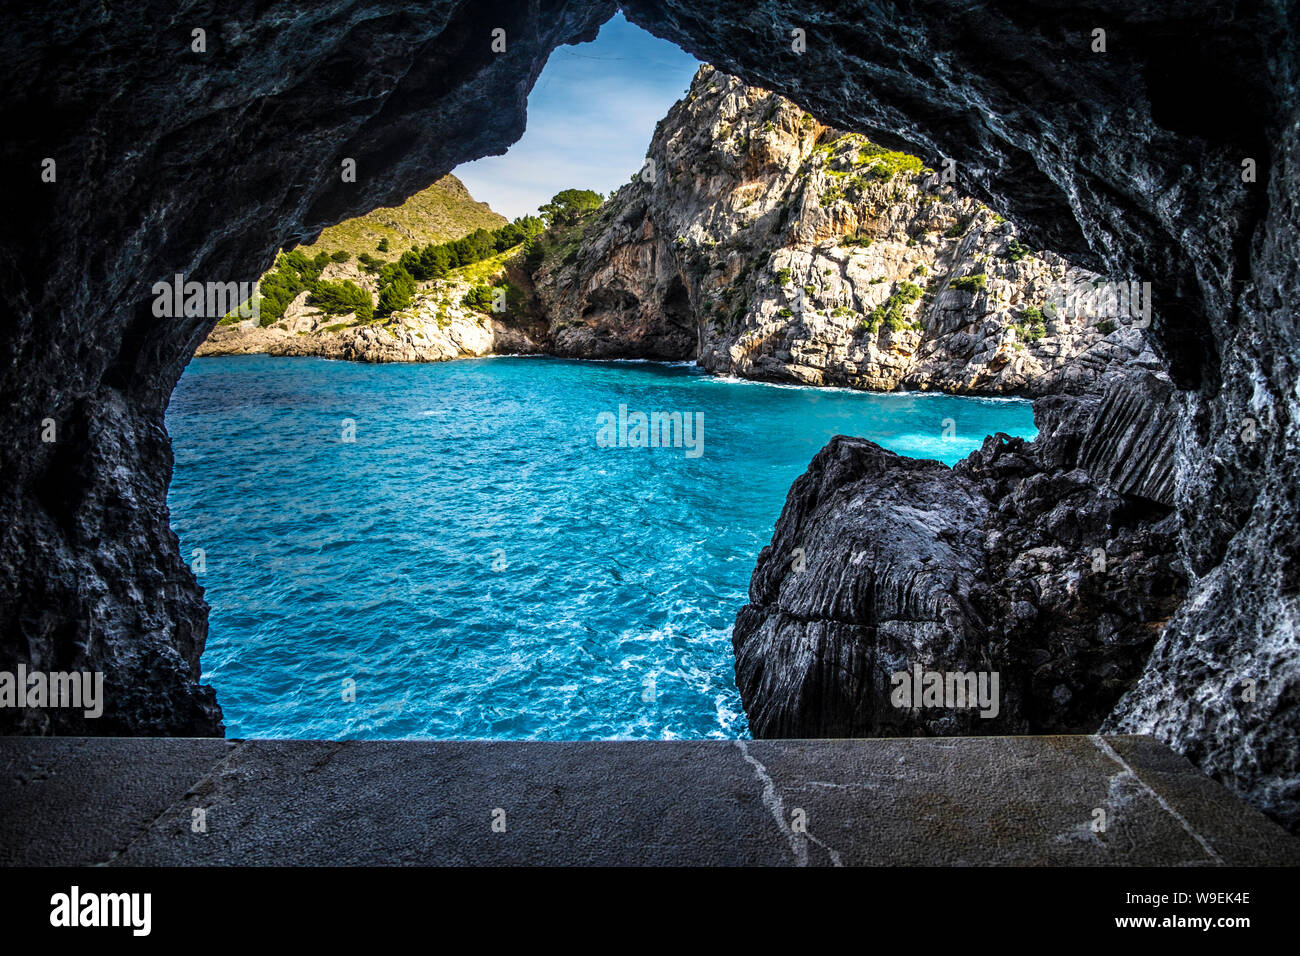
x=1128 y=162
x=171 y=161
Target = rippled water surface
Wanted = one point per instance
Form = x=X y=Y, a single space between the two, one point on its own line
x=474 y=560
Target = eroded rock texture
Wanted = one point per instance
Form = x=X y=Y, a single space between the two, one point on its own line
x=170 y=160
x=1128 y=162
x=1016 y=562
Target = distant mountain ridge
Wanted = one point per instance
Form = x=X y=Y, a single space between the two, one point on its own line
x=444 y=211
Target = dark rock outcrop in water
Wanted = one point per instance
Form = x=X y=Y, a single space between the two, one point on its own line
x=1128 y=162
x=1017 y=562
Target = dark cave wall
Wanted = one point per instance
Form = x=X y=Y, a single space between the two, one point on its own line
x=171 y=161
x=174 y=161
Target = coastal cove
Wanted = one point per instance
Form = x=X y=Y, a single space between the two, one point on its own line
x=447 y=550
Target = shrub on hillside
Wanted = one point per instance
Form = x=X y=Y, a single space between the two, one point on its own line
x=396 y=289
x=972 y=284
x=479 y=298
x=568 y=205
x=890 y=313
x=340 y=298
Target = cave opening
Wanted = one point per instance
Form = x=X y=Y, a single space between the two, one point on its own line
x=1101 y=162
x=477 y=634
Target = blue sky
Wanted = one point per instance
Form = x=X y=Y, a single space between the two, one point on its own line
x=590 y=119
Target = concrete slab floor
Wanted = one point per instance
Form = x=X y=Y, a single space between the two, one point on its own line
x=962 y=801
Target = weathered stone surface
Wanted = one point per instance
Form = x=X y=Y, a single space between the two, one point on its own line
x=971 y=801
x=1132 y=443
x=71 y=801
x=870 y=568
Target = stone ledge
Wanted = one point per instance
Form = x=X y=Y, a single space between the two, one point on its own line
x=957 y=800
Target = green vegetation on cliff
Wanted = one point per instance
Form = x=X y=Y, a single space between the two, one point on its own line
x=435 y=261
x=971 y=283
x=293 y=273
x=569 y=205
x=340 y=298
x=890 y=313
x=1030 y=324
x=567 y=217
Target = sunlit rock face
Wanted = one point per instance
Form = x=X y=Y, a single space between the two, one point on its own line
x=765 y=245
x=1128 y=162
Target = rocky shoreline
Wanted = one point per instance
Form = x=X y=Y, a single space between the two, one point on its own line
x=764 y=245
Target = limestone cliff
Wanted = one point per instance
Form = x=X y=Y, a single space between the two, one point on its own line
x=770 y=246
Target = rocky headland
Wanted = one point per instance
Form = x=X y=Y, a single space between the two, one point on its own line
x=767 y=245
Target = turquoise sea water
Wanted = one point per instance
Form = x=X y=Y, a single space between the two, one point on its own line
x=474 y=560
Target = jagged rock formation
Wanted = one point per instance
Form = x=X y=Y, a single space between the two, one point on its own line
x=1171 y=157
x=1129 y=162
x=170 y=160
x=1017 y=562
x=767 y=245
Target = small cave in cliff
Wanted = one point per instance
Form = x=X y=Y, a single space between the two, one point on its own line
x=678 y=313
x=1113 y=552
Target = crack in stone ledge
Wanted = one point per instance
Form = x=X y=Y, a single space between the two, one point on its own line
x=216 y=768
x=772 y=800
x=1109 y=751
